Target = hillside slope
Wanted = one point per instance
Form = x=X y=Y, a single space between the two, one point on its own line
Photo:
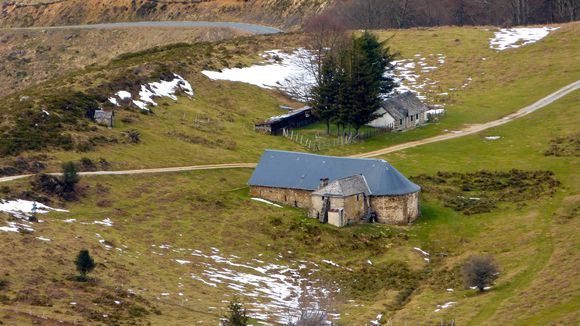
x=281 y=13
x=34 y=56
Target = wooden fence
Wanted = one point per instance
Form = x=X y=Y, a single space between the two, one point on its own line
x=344 y=139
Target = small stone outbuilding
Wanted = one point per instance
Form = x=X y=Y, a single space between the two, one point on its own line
x=104 y=117
x=401 y=112
x=337 y=190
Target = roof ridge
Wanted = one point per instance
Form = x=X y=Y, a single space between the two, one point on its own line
x=328 y=156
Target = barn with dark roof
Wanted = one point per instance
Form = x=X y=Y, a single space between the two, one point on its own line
x=360 y=188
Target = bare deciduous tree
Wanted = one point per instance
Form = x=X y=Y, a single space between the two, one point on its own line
x=480 y=271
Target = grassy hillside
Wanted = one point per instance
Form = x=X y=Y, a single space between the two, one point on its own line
x=534 y=242
x=210 y=123
x=498 y=86
x=34 y=56
x=501 y=82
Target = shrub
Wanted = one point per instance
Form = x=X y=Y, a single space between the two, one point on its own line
x=236 y=316
x=133 y=135
x=482 y=191
x=85 y=264
x=480 y=271
x=70 y=177
x=3 y=284
x=86 y=164
x=47 y=184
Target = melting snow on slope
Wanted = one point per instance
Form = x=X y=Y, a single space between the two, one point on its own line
x=105 y=222
x=290 y=73
x=445 y=306
x=377 y=320
x=409 y=74
x=511 y=38
x=424 y=253
x=22 y=209
x=154 y=90
x=266 y=202
x=285 y=71
x=276 y=290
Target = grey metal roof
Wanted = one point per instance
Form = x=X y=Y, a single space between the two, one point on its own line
x=404 y=105
x=282 y=169
x=345 y=187
x=290 y=113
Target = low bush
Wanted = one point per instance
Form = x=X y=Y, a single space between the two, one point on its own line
x=86 y=164
x=564 y=146
x=366 y=280
x=481 y=192
x=64 y=187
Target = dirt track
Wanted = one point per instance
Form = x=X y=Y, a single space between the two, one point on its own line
x=473 y=129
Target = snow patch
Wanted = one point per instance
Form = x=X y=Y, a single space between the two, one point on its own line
x=445 y=306
x=123 y=95
x=285 y=71
x=276 y=290
x=330 y=262
x=23 y=208
x=41 y=238
x=153 y=90
x=424 y=253
x=377 y=320
x=105 y=222
x=182 y=262
x=266 y=202
x=492 y=137
x=512 y=38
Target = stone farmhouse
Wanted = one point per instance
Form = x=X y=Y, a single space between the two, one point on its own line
x=401 y=112
x=337 y=190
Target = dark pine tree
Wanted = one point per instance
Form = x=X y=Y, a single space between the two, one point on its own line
x=325 y=95
x=370 y=60
x=70 y=177
x=85 y=264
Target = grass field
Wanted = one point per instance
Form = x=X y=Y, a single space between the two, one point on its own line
x=172 y=137
x=180 y=245
x=158 y=219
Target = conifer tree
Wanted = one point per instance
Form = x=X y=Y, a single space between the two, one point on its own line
x=325 y=94
x=370 y=61
x=85 y=264
x=70 y=177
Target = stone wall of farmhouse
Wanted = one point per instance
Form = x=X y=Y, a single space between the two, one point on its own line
x=399 y=210
x=290 y=197
x=354 y=207
x=417 y=120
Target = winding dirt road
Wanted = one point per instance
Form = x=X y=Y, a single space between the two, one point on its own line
x=251 y=28
x=473 y=129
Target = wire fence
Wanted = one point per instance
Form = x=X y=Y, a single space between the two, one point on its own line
x=344 y=139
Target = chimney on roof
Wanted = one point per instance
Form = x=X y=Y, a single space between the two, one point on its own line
x=323 y=182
